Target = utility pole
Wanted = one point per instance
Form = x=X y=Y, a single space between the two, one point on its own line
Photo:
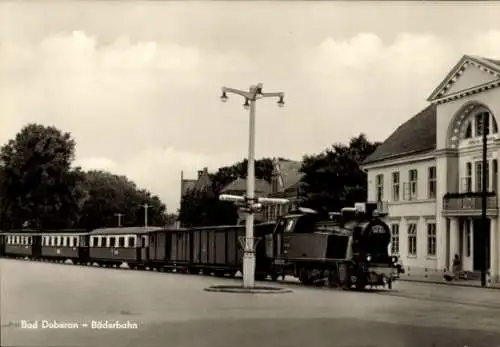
x=146 y=206
x=250 y=204
x=484 y=200
x=119 y=215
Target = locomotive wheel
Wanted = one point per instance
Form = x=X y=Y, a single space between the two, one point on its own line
x=344 y=276
x=260 y=277
x=304 y=277
x=360 y=280
x=333 y=279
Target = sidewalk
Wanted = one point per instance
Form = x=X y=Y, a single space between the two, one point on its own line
x=424 y=275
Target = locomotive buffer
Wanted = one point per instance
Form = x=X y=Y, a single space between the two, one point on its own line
x=249 y=203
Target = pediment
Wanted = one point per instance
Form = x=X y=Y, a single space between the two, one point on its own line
x=468 y=74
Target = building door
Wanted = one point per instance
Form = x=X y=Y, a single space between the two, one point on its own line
x=480 y=236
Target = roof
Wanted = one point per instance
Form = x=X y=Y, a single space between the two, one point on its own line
x=240 y=185
x=201 y=183
x=187 y=185
x=289 y=171
x=73 y=232
x=494 y=62
x=124 y=231
x=417 y=135
x=454 y=73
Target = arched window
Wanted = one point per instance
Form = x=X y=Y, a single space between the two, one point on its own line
x=468 y=130
x=486 y=118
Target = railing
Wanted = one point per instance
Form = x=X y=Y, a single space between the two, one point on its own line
x=469 y=203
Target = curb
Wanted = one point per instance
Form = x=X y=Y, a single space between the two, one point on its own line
x=242 y=290
x=451 y=284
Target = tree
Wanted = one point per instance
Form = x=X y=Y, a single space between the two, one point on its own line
x=333 y=179
x=110 y=194
x=38 y=186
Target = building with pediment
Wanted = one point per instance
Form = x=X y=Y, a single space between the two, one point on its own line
x=429 y=171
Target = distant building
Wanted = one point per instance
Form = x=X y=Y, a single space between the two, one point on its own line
x=285 y=182
x=201 y=182
x=430 y=173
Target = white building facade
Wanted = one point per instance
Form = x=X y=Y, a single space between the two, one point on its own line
x=430 y=173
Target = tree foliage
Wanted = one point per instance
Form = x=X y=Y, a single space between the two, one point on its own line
x=40 y=189
x=39 y=185
x=109 y=195
x=333 y=179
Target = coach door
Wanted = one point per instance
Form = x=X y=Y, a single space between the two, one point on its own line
x=152 y=246
x=144 y=245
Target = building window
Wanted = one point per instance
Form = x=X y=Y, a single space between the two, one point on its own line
x=468 y=178
x=395 y=238
x=479 y=176
x=395 y=186
x=432 y=182
x=413 y=179
x=412 y=239
x=380 y=187
x=431 y=239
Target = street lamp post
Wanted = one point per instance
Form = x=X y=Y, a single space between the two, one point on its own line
x=255 y=93
x=119 y=215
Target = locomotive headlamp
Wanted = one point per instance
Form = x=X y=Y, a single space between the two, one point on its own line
x=368 y=258
x=394 y=259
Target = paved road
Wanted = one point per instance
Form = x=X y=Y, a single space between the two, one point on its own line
x=173 y=310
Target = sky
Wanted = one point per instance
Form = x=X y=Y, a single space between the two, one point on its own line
x=137 y=84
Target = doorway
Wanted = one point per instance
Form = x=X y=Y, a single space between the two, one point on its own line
x=480 y=237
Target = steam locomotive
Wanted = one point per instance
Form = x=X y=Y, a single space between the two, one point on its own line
x=350 y=250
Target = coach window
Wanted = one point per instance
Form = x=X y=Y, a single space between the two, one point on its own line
x=64 y=241
x=75 y=242
x=131 y=241
x=121 y=241
x=30 y=240
x=70 y=242
x=112 y=241
x=92 y=241
x=144 y=241
x=17 y=240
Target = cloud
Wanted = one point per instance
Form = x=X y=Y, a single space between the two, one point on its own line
x=149 y=108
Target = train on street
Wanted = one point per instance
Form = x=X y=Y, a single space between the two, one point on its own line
x=349 y=250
